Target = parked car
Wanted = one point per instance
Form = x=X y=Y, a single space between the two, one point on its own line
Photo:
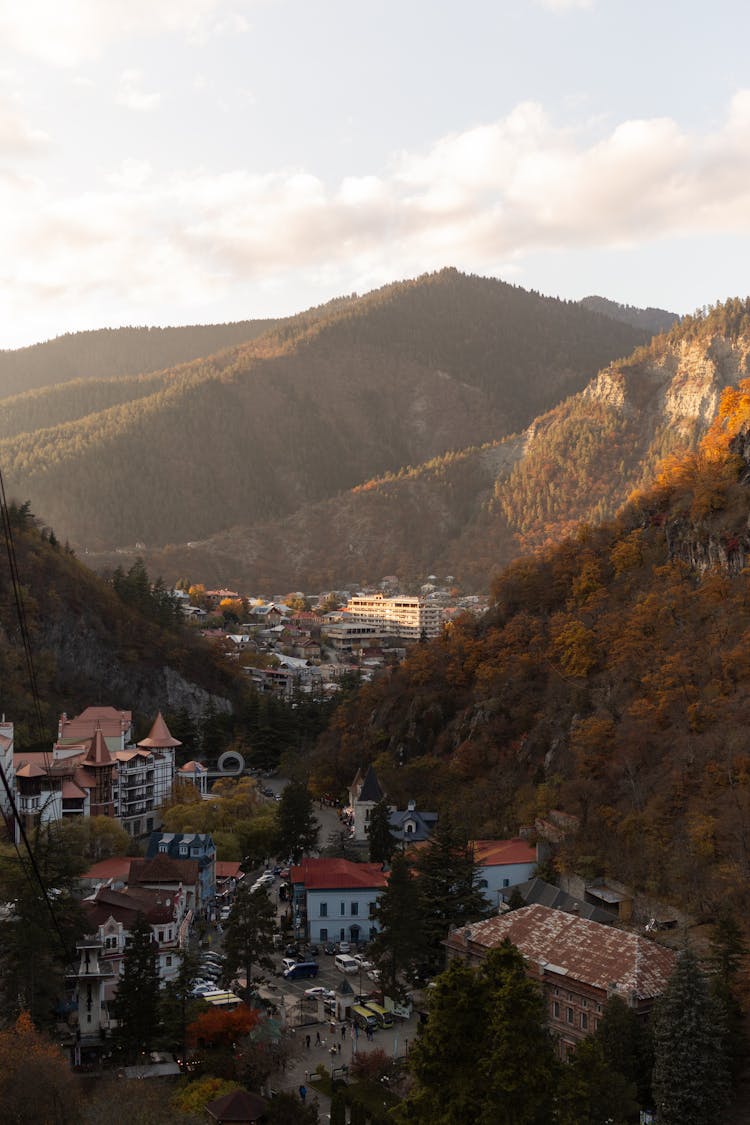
x=288 y=963
x=329 y=948
x=318 y=992
x=265 y=880
x=313 y=951
x=345 y=964
x=292 y=951
x=363 y=963
x=344 y=947
x=302 y=969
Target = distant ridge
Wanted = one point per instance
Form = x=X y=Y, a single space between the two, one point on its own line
x=651 y=320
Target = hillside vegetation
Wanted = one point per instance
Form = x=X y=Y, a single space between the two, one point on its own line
x=316 y=405
x=471 y=512
x=610 y=679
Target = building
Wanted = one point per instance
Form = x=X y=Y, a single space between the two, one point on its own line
x=578 y=964
x=364 y=795
x=403 y=616
x=95 y=770
x=6 y=763
x=195 y=773
x=190 y=845
x=335 y=899
x=502 y=864
x=111 y=916
x=411 y=825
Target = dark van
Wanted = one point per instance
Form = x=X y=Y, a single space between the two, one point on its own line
x=303 y=969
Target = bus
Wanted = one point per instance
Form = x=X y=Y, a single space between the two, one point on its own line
x=384 y=1018
x=364 y=1018
x=227 y=1001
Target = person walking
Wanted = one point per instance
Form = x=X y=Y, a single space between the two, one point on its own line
x=307 y=1042
x=318 y=1040
x=303 y=1093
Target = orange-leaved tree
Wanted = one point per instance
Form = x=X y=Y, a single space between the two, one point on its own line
x=217 y=1028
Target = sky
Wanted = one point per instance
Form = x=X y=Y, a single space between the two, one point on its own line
x=195 y=161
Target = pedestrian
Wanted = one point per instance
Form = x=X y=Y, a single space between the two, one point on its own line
x=307 y=1076
x=307 y=1042
x=338 y=1045
x=343 y=1031
x=303 y=1093
x=317 y=1039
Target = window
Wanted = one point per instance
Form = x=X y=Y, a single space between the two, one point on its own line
x=324 y=934
x=556 y=1009
x=584 y=1021
x=584 y=1003
x=161 y=936
x=342 y=934
x=355 y=909
x=324 y=910
x=163 y=849
x=343 y=909
x=169 y=961
x=482 y=883
x=506 y=882
x=569 y=1015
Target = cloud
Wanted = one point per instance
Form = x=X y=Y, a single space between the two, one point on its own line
x=68 y=32
x=17 y=137
x=131 y=95
x=490 y=195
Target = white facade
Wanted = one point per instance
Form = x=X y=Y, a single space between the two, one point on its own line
x=401 y=616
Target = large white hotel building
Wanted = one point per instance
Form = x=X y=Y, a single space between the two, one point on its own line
x=400 y=616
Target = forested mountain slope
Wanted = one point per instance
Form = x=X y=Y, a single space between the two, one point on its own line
x=471 y=512
x=90 y=648
x=610 y=679
x=315 y=406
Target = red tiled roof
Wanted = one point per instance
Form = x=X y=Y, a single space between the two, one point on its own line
x=117 y=867
x=585 y=951
x=30 y=770
x=495 y=853
x=124 y=906
x=193 y=767
x=320 y=874
x=228 y=870
x=159 y=737
x=70 y=791
x=98 y=754
x=164 y=869
x=112 y=722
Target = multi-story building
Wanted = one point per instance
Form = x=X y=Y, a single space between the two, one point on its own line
x=335 y=899
x=111 y=916
x=95 y=770
x=190 y=845
x=401 y=616
x=577 y=963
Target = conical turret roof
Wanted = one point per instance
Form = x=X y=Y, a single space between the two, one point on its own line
x=98 y=753
x=159 y=737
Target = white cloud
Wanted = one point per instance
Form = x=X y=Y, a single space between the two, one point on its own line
x=131 y=94
x=67 y=32
x=17 y=137
x=140 y=241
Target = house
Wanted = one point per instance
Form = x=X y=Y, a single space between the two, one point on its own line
x=190 y=845
x=335 y=899
x=364 y=794
x=411 y=825
x=6 y=763
x=577 y=963
x=179 y=878
x=502 y=864
x=111 y=916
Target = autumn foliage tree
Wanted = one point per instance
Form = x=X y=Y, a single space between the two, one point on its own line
x=217 y=1028
x=36 y=1082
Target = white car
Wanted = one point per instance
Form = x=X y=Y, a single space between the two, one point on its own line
x=320 y=993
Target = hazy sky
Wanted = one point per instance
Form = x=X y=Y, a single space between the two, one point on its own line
x=180 y=161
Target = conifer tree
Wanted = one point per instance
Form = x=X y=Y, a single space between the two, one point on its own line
x=249 y=932
x=382 y=840
x=396 y=949
x=690 y=1080
x=728 y=951
x=448 y=891
x=136 y=1006
x=297 y=827
x=627 y=1045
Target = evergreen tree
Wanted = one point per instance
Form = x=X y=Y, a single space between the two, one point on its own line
x=396 y=949
x=690 y=1080
x=518 y=1068
x=248 y=937
x=136 y=1005
x=447 y=1051
x=297 y=827
x=592 y=1092
x=38 y=937
x=382 y=841
x=176 y=1002
x=448 y=891
x=728 y=951
x=338 y=1110
x=627 y=1046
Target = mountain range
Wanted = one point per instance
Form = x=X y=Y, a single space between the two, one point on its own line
x=367 y=436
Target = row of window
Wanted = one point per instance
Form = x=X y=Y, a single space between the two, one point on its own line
x=353 y=909
x=325 y=936
x=570 y=1016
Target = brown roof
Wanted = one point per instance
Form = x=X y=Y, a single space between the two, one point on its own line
x=71 y=790
x=164 y=869
x=238 y=1107
x=159 y=737
x=156 y=906
x=496 y=853
x=111 y=721
x=586 y=951
x=341 y=874
x=30 y=770
x=117 y=867
x=98 y=754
